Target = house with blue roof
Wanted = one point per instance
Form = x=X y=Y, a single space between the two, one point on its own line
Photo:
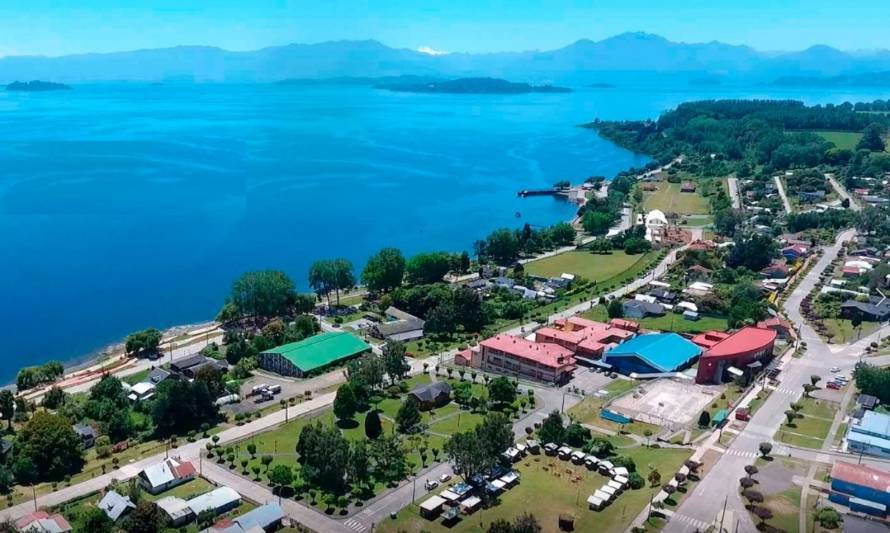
x=870 y=435
x=654 y=353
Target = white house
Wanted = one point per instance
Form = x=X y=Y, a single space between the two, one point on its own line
x=165 y=475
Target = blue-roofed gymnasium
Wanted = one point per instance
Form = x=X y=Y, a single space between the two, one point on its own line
x=654 y=353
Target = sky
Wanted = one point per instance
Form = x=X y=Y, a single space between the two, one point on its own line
x=60 y=27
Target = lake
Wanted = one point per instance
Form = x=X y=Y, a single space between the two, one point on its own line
x=124 y=206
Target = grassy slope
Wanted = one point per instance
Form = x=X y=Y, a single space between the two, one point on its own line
x=669 y=199
x=591 y=266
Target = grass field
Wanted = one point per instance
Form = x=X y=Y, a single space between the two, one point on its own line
x=669 y=322
x=549 y=487
x=842 y=330
x=669 y=199
x=811 y=427
x=841 y=139
x=598 y=267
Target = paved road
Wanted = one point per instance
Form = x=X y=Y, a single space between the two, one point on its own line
x=781 y=189
x=842 y=192
x=734 y=194
x=700 y=508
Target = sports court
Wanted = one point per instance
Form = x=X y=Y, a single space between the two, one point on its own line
x=666 y=402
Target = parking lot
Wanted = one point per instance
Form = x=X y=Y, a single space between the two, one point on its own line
x=290 y=387
x=589 y=381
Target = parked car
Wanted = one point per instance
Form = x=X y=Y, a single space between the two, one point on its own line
x=835 y=369
x=444 y=478
x=431 y=484
x=834 y=385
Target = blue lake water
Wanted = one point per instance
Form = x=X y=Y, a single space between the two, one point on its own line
x=124 y=206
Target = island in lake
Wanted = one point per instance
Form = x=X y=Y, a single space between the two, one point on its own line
x=473 y=86
x=36 y=86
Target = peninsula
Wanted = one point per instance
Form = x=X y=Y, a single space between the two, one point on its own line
x=36 y=86
x=473 y=86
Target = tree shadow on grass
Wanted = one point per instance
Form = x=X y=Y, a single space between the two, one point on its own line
x=348 y=423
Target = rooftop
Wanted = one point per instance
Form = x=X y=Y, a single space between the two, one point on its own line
x=547 y=354
x=664 y=351
x=321 y=350
x=744 y=340
x=873 y=423
x=865 y=476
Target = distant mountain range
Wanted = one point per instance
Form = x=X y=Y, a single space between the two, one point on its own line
x=629 y=57
x=36 y=86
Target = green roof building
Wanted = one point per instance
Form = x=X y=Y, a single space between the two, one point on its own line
x=313 y=354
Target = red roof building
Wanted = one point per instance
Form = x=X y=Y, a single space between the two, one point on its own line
x=781 y=326
x=516 y=356
x=701 y=246
x=586 y=337
x=42 y=521
x=742 y=348
x=709 y=339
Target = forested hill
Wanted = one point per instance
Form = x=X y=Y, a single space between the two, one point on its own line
x=753 y=133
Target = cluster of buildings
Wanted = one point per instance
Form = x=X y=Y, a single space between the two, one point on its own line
x=185 y=369
x=553 y=353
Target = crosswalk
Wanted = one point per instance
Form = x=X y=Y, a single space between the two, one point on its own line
x=740 y=453
x=355 y=525
x=787 y=391
x=700 y=525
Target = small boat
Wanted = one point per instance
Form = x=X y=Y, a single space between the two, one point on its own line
x=518 y=214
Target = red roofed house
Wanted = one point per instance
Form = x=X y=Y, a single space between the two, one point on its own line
x=515 y=356
x=732 y=354
x=586 y=337
x=782 y=327
x=41 y=521
x=700 y=246
x=776 y=269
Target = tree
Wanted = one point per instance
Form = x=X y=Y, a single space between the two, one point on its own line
x=814 y=379
x=765 y=448
x=462 y=392
x=750 y=470
x=54 y=398
x=7 y=406
x=345 y=404
x=829 y=518
x=359 y=466
x=281 y=476
x=872 y=138
x=441 y=320
x=576 y=435
x=324 y=455
x=635 y=480
x=181 y=406
x=600 y=447
x=408 y=417
x=596 y=222
x=95 y=520
x=147 y=517
x=388 y=458
x=143 y=342
x=322 y=278
x=763 y=513
x=502 y=246
x=495 y=434
x=704 y=419
x=808 y=389
x=426 y=268
x=615 y=309
x=394 y=360
x=552 y=429
x=384 y=271
x=654 y=478
x=790 y=415
x=753 y=497
x=263 y=294
x=373 y=427
x=466 y=453
x=344 y=276
x=501 y=390
x=51 y=445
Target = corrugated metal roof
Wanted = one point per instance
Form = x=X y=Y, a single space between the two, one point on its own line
x=862 y=475
x=215 y=499
x=321 y=350
x=663 y=351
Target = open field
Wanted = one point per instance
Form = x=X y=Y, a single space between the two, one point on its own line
x=598 y=267
x=588 y=410
x=669 y=199
x=841 y=139
x=811 y=427
x=842 y=331
x=668 y=322
x=549 y=487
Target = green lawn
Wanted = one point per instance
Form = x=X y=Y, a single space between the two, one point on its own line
x=669 y=199
x=550 y=487
x=811 y=427
x=597 y=267
x=842 y=330
x=668 y=322
x=841 y=139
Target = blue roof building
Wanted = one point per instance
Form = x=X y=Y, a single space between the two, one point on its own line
x=870 y=435
x=654 y=353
